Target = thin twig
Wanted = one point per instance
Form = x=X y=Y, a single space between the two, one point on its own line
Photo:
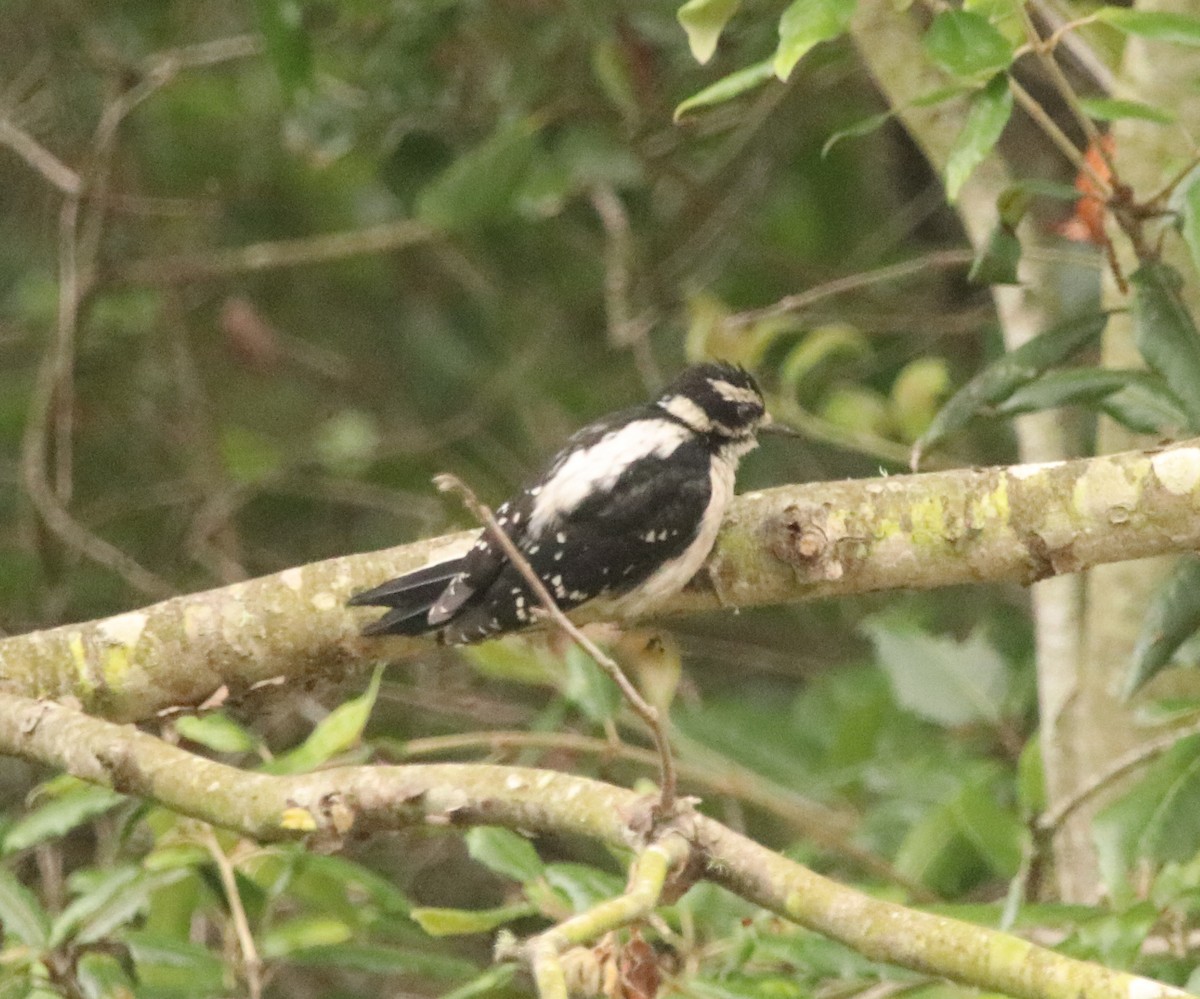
x=1056 y=135
x=1051 y=820
x=1058 y=78
x=624 y=329
x=644 y=710
x=251 y=962
x=40 y=158
x=271 y=255
x=852 y=282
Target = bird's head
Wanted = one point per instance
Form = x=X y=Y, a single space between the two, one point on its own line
x=720 y=401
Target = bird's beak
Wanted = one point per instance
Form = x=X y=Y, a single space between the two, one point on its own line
x=769 y=426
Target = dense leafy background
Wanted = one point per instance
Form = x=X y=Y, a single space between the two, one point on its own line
x=577 y=244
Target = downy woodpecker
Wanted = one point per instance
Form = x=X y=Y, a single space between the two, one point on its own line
x=626 y=513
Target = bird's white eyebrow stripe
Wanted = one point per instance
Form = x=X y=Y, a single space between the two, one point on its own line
x=733 y=393
x=595 y=469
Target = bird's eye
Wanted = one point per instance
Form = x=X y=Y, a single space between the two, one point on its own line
x=748 y=412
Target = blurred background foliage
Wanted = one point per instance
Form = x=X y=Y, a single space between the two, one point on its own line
x=523 y=238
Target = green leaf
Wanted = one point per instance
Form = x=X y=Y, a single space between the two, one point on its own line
x=1073 y=387
x=248 y=456
x=303 y=933
x=1006 y=374
x=703 y=21
x=57 y=817
x=217 y=731
x=1161 y=26
x=1158 y=820
x=821 y=350
x=583 y=886
x=289 y=49
x=589 y=688
x=940 y=679
x=339 y=731
x=965 y=44
x=494 y=980
x=1114 y=109
x=806 y=23
x=989 y=113
x=944 y=849
x=918 y=390
x=856 y=131
x=1031 y=778
x=1172 y=616
x=1166 y=334
x=459 y=922
x=21 y=916
x=112 y=900
x=1185 y=201
x=504 y=852
x=173 y=967
x=423 y=963
x=1147 y=406
x=482 y=184
x=727 y=87
x=994 y=832
x=998 y=261
x=871 y=123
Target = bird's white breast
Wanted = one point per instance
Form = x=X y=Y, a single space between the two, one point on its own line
x=595 y=470
x=672 y=576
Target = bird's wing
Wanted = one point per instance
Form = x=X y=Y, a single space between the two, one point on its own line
x=483 y=562
x=608 y=544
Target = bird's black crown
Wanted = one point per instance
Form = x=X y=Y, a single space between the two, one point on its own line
x=717 y=399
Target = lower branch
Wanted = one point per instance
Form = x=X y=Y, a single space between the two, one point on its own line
x=331 y=805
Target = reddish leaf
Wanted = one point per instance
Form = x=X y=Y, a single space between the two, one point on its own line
x=1086 y=225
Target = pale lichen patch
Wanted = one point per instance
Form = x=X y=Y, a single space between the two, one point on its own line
x=1177 y=470
x=197 y=619
x=1104 y=486
x=124 y=629
x=1034 y=468
x=292 y=578
x=324 y=601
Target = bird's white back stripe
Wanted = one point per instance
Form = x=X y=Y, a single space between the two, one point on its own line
x=594 y=470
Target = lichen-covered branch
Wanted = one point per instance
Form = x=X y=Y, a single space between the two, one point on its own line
x=800 y=542
x=331 y=805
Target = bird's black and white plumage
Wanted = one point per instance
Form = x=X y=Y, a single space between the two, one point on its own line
x=626 y=513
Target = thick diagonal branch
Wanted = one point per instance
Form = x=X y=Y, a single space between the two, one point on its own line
x=801 y=542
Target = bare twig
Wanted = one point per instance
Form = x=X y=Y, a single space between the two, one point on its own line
x=624 y=329
x=1056 y=135
x=852 y=282
x=1050 y=821
x=644 y=710
x=40 y=158
x=1046 y=55
x=272 y=255
x=251 y=962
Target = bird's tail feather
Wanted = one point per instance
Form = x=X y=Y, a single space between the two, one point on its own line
x=409 y=596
